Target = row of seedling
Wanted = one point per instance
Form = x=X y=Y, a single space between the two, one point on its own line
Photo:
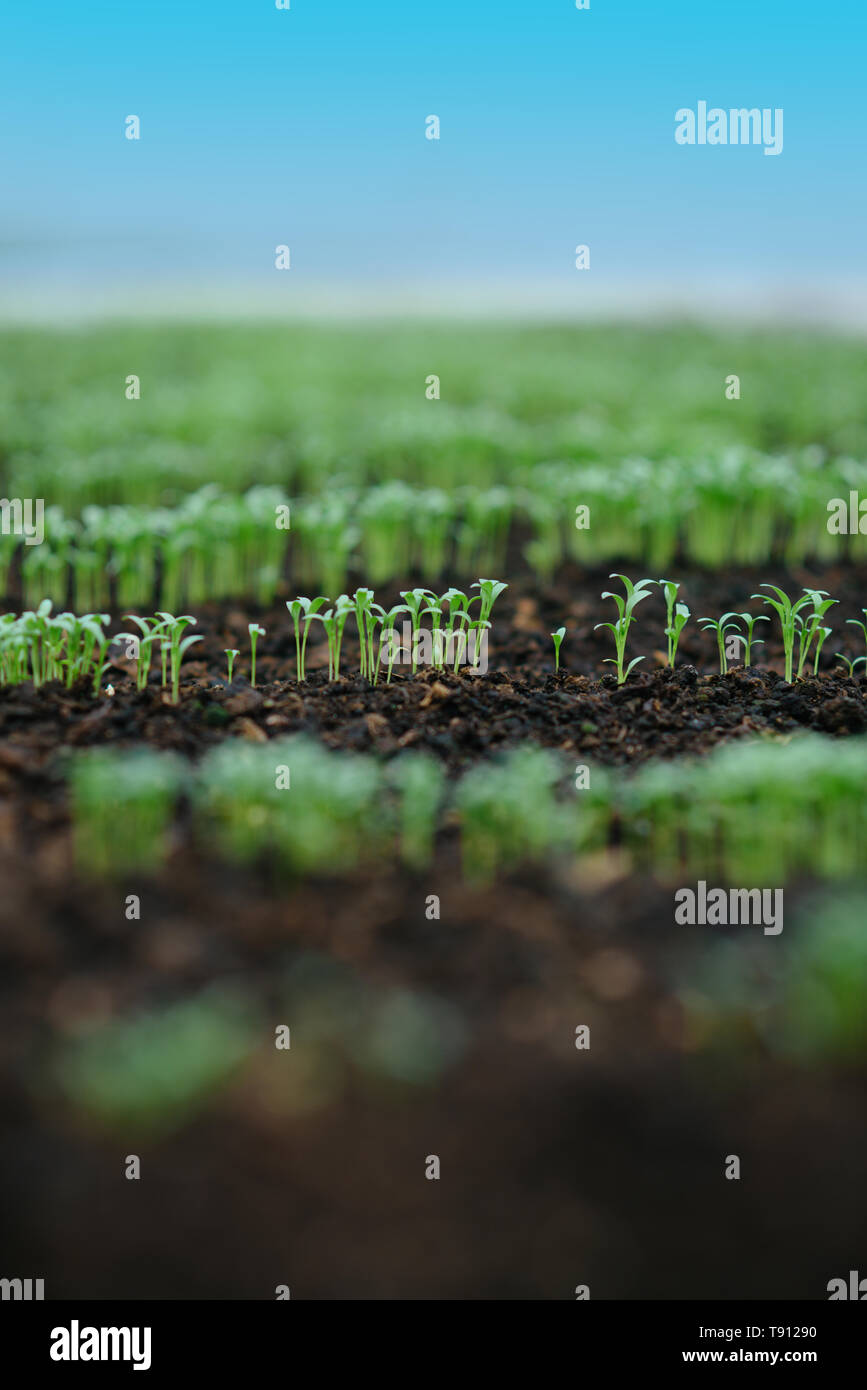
x=801 y=620
x=753 y=813
x=455 y=636
x=738 y=507
x=38 y=646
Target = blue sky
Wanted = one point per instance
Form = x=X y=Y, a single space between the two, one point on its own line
x=306 y=127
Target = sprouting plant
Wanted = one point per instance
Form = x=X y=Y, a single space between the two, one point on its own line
x=811 y=628
x=786 y=612
x=625 y=618
x=822 y=633
x=302 y=612
x=342 y=609
x=297 y=607
x=478 y=629
x=150 y=631
x=721 y=627
x=329 y=622
x=848 y=663
x=255 y=633
x=436 y=610
x=365 y=617
x=459 y=617
x=178 y=654
x=86 y=645
x=856 y=622
x=414 y=599
x=669 y=588
x=231 y=653
x=388 y=639
x=39 y=647
x=174 y=647
x=791 y=620
x=100 y=647
x=459 y=607
x=676 y=616
x=558 y=638
x=749 y=622
x=313 y=612
x=334 y=622
x=37 y=626
x=489 y=592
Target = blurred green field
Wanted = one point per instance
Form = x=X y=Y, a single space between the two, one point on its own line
x=531 y=422
x=299 y=405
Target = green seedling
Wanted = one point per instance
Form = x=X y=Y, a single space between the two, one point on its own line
x=811 y=628
x=791 y=620
x=41 y=648
x=388 y=623
x=749 y=622
x=174 y=646
x=150 y=631
x=489 y=592
x=231 y=653
x=822 y=635
x=676 y=616
x=859 y=660
x=365 y=617
x=178 y=654
x=670 y=590
x=558 y=638
x=165 y=649
x=342 y=609
x=721 y=627
x=329 y=622
x=856 y=622
x=625 y=618
x=478 y=628
x=786 y=612
x=457 y=629
x=334 y=622
x=302 y=612
x=414 y=599
x=849 y=663
x=255 y=633
x=434 y=610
